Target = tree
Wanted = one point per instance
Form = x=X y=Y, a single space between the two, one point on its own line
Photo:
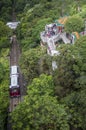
x=76 y=103
x=29 y=63
x=5 y=31
x=4 y=86
x=68 y=70
x=74 y=24
x=4 y=100
x=40 y=110
x=1 y=72
x=5 y=10
x=82 y=13
x=72 y=69
x=81 y=45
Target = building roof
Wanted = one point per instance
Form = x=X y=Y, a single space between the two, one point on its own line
x=76 y=34
x=61 y=21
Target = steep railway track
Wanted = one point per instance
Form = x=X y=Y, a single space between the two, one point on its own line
x=14 y=58
x=14 y=102
x=14 y=52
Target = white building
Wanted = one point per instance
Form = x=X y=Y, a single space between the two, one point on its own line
x=12 y=25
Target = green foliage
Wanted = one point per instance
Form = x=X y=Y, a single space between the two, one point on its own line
x=4 y=30
x=32 y=33
x=4 y=84
x=19 y=5
x=76 y=7
x=82 y=110
x=5 y=10
x=45 y=64
x=29 y=63
x=4 y=43
x=39 y=110
x=41 y=84
x=83 y=12
x=81 y=45
x=68 y=70
x=70 y=83
x=1 y=72
x=74 y=24
x=4 y=100
x=39 y=27
x=4 y=33
x=4 y=63
x=33 y=21
x=77 y=108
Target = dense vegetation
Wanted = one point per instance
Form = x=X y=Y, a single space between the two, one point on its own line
x=55 y=100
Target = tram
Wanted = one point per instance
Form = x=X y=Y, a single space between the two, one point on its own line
x=14 y=82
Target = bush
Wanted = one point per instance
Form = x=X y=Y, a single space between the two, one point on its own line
x=74 y=24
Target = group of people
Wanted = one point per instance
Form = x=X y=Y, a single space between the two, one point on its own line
x=51 y=30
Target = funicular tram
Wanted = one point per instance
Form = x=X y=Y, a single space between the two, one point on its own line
x=14 y=82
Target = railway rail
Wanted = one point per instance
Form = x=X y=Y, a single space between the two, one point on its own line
x=13 y=103
x=14 y=59
x=15 y=53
